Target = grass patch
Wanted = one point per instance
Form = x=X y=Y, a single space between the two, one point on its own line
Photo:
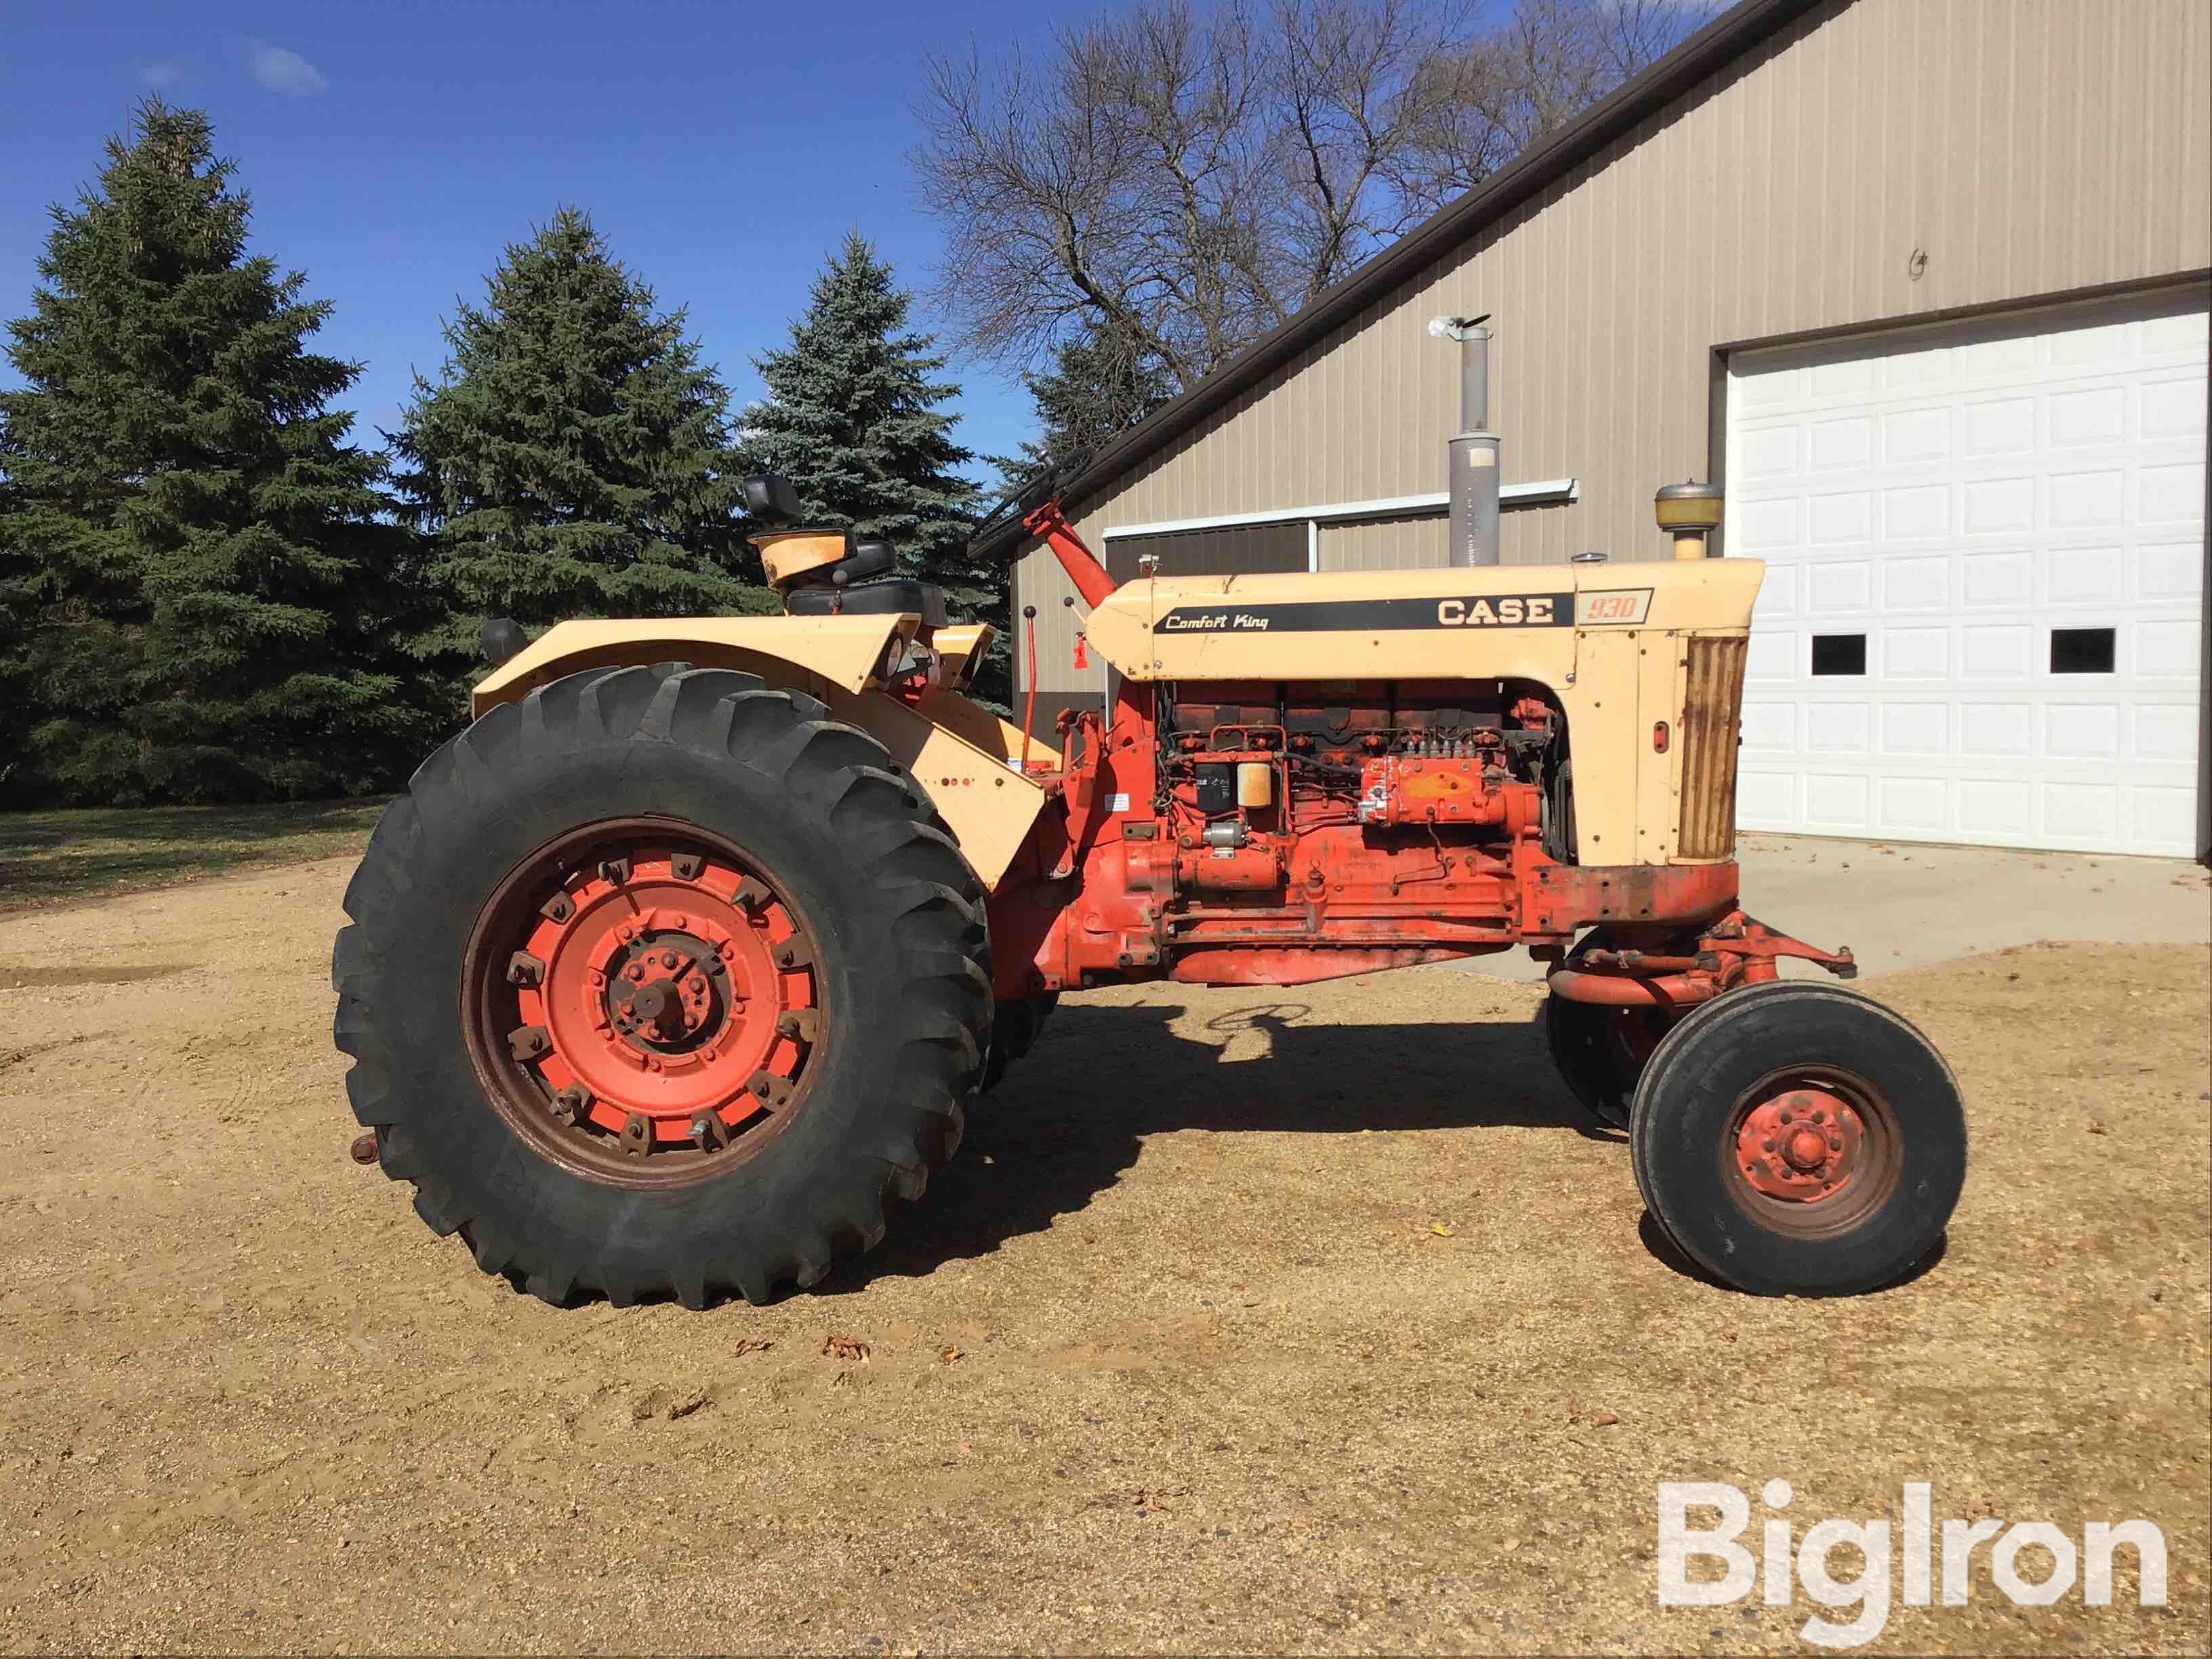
x=66 y=857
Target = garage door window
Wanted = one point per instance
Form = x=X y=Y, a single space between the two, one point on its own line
x=2082 y=650
x=1839 y=653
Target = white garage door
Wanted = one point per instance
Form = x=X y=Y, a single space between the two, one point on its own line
x=1982 y=616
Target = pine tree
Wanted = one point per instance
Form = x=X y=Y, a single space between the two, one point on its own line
x=853 y=419
x=194 y=577
x=572 y=459
x=1100 y=386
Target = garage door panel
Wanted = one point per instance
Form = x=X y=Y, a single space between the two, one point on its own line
x=1997 y=808
x=2171 y=570
x=2170 y=495
x=1993 y=581
x=1999 y=507
x=1834 y=728
x=2162 y=817
x=1982 y=618
x=1766 y=799
x=1991 y=730
x=2087 y=813
x=1915 y=583
x=2164 y=732
x=1995 y=650
x=1916 y=653
x=1838 y=802
x=2000 y=426
x=2180 y=334
x=1770 y=727
x=2082 y=501
x=2089 y=732
x=1916 y=807
x=2166 y=650
x=2173 y=408
x=1918 y=512
x=1911 y=437
x=1915 y=729
x=2093 y=417
x=2084 y=575
x=1771 y=656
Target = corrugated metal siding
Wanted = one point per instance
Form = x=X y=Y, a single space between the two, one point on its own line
x=1277 y=547
x=1387 y=544
x=2029 y=146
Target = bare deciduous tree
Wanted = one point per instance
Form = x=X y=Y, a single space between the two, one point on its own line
x=1183 y=180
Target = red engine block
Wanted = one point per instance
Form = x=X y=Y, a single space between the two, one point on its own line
x=1435 y=855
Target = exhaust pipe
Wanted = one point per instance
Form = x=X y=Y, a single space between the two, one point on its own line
x=1475 y=451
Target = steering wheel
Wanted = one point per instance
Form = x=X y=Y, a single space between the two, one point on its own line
x=1033 y=492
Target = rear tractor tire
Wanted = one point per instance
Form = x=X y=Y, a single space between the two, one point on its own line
x=660 y=982
x=1797 y=1139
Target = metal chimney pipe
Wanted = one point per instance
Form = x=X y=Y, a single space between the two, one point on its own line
x=1475 y=451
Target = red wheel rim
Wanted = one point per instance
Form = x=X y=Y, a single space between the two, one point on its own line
x=1812 y=1153
x=643 y=1002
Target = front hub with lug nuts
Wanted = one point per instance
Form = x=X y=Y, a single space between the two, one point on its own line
x=1813 y=1153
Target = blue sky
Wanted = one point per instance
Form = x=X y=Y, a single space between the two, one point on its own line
x=393 y=147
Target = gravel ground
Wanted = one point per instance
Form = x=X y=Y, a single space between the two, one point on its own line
x=1243 y=1320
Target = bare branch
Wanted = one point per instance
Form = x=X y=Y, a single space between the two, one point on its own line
x=1181 y=181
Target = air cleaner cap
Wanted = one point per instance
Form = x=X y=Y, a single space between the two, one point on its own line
x=1688 y=507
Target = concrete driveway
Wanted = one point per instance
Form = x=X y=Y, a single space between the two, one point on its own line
x=1899 y=904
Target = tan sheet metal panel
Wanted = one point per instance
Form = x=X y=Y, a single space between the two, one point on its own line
x=842 y=651
x=986 y=804
x=1506 y=621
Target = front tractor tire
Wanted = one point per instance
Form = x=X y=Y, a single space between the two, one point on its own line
x=660 y=982
x=1796 y=1140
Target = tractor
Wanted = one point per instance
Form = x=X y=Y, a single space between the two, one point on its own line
x=694 y=950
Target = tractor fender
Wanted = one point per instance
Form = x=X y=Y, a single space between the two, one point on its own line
x=962 y=757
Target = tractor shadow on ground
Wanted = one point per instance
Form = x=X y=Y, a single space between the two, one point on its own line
x=1071 y=1116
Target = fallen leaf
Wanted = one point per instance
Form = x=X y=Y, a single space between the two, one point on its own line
x=1441 y=1231
x=1602 y=1420
x=839 y=1347
x=2096 y=1125
x=949 y=1354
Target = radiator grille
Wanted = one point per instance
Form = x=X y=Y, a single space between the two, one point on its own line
x=1713 y=711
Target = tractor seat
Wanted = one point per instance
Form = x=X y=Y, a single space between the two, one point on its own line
x=883 y=599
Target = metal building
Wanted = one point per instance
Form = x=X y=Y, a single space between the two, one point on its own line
x=1923 y=283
